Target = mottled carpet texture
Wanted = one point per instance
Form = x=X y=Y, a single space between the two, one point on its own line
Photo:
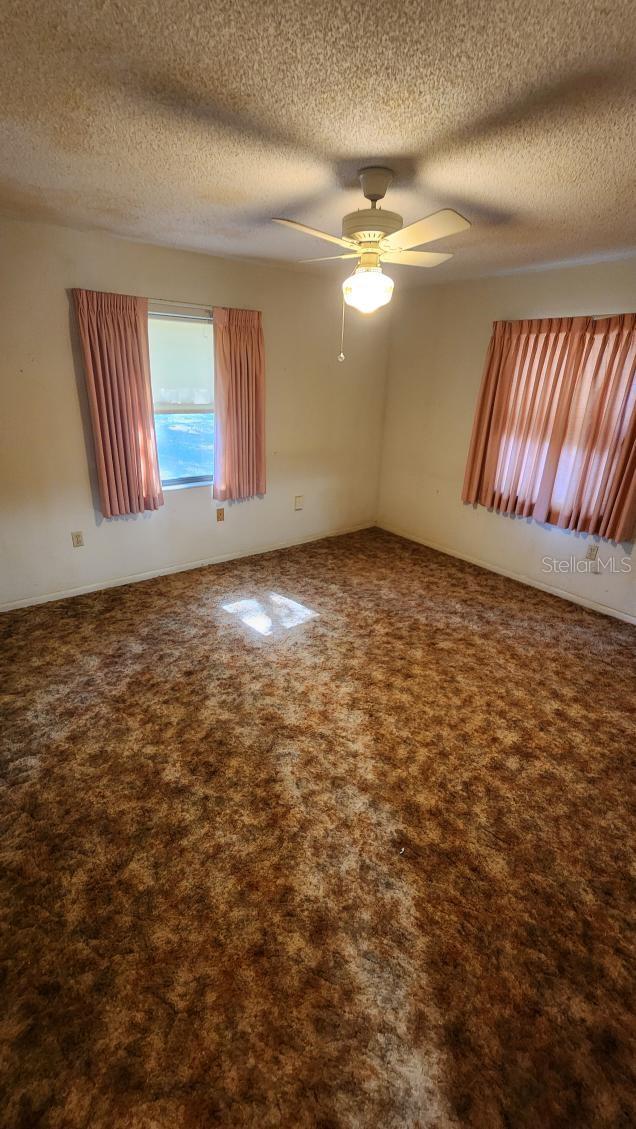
x=366 y=868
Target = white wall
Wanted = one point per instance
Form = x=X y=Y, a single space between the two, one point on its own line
x=438 y=345
x=323 y=418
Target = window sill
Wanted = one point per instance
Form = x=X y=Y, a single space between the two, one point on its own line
x=188 y=486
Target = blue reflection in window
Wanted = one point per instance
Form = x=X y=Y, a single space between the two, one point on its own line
x=185 y=444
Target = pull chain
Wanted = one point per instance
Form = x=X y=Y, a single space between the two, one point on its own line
x=341 y=355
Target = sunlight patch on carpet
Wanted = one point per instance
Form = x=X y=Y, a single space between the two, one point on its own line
x=270 y=612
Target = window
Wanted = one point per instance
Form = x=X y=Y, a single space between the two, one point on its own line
x=182 y=374
x=554 y=436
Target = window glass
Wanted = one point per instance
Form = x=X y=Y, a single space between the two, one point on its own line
x=182 y=374
x=185 y=443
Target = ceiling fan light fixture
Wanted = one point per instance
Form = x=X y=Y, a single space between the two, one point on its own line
x=367 y=289
x=374 y=234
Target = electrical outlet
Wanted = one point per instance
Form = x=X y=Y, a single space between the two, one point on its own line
x=220 y=514
x=78 y=539
x=592 y=553
x=299 y=501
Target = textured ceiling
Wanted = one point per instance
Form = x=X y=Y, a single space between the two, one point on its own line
x=193 y=122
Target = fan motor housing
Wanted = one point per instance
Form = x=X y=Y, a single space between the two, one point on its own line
x=369 y=225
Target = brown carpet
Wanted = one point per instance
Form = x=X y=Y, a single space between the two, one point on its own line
x=368 y=870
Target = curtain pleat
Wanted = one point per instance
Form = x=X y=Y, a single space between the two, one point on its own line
x=554 y=435
x=239 y=404
x=114 y=335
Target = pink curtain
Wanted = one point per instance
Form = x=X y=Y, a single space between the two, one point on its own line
x=554 y=435
x=114 y=334
x=239 y=404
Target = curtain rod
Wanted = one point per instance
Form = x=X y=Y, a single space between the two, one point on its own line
x=187 y=305
x=603 y=317
x=199 y=306
x=564 y=317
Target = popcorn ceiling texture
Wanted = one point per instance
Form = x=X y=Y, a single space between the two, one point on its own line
x=192 y=124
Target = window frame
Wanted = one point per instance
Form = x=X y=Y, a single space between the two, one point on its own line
x=197 y=314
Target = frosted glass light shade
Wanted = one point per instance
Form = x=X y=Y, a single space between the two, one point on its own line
x=367 y=289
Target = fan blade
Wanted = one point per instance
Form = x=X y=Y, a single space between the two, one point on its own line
x=331 y=258
x=348 y=243
x=438 y=226
x=415 y=258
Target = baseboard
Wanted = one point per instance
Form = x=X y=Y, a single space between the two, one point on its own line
x=593 y=605
x=134 y=578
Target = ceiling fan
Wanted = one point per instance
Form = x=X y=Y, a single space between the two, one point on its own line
x=374 y=236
